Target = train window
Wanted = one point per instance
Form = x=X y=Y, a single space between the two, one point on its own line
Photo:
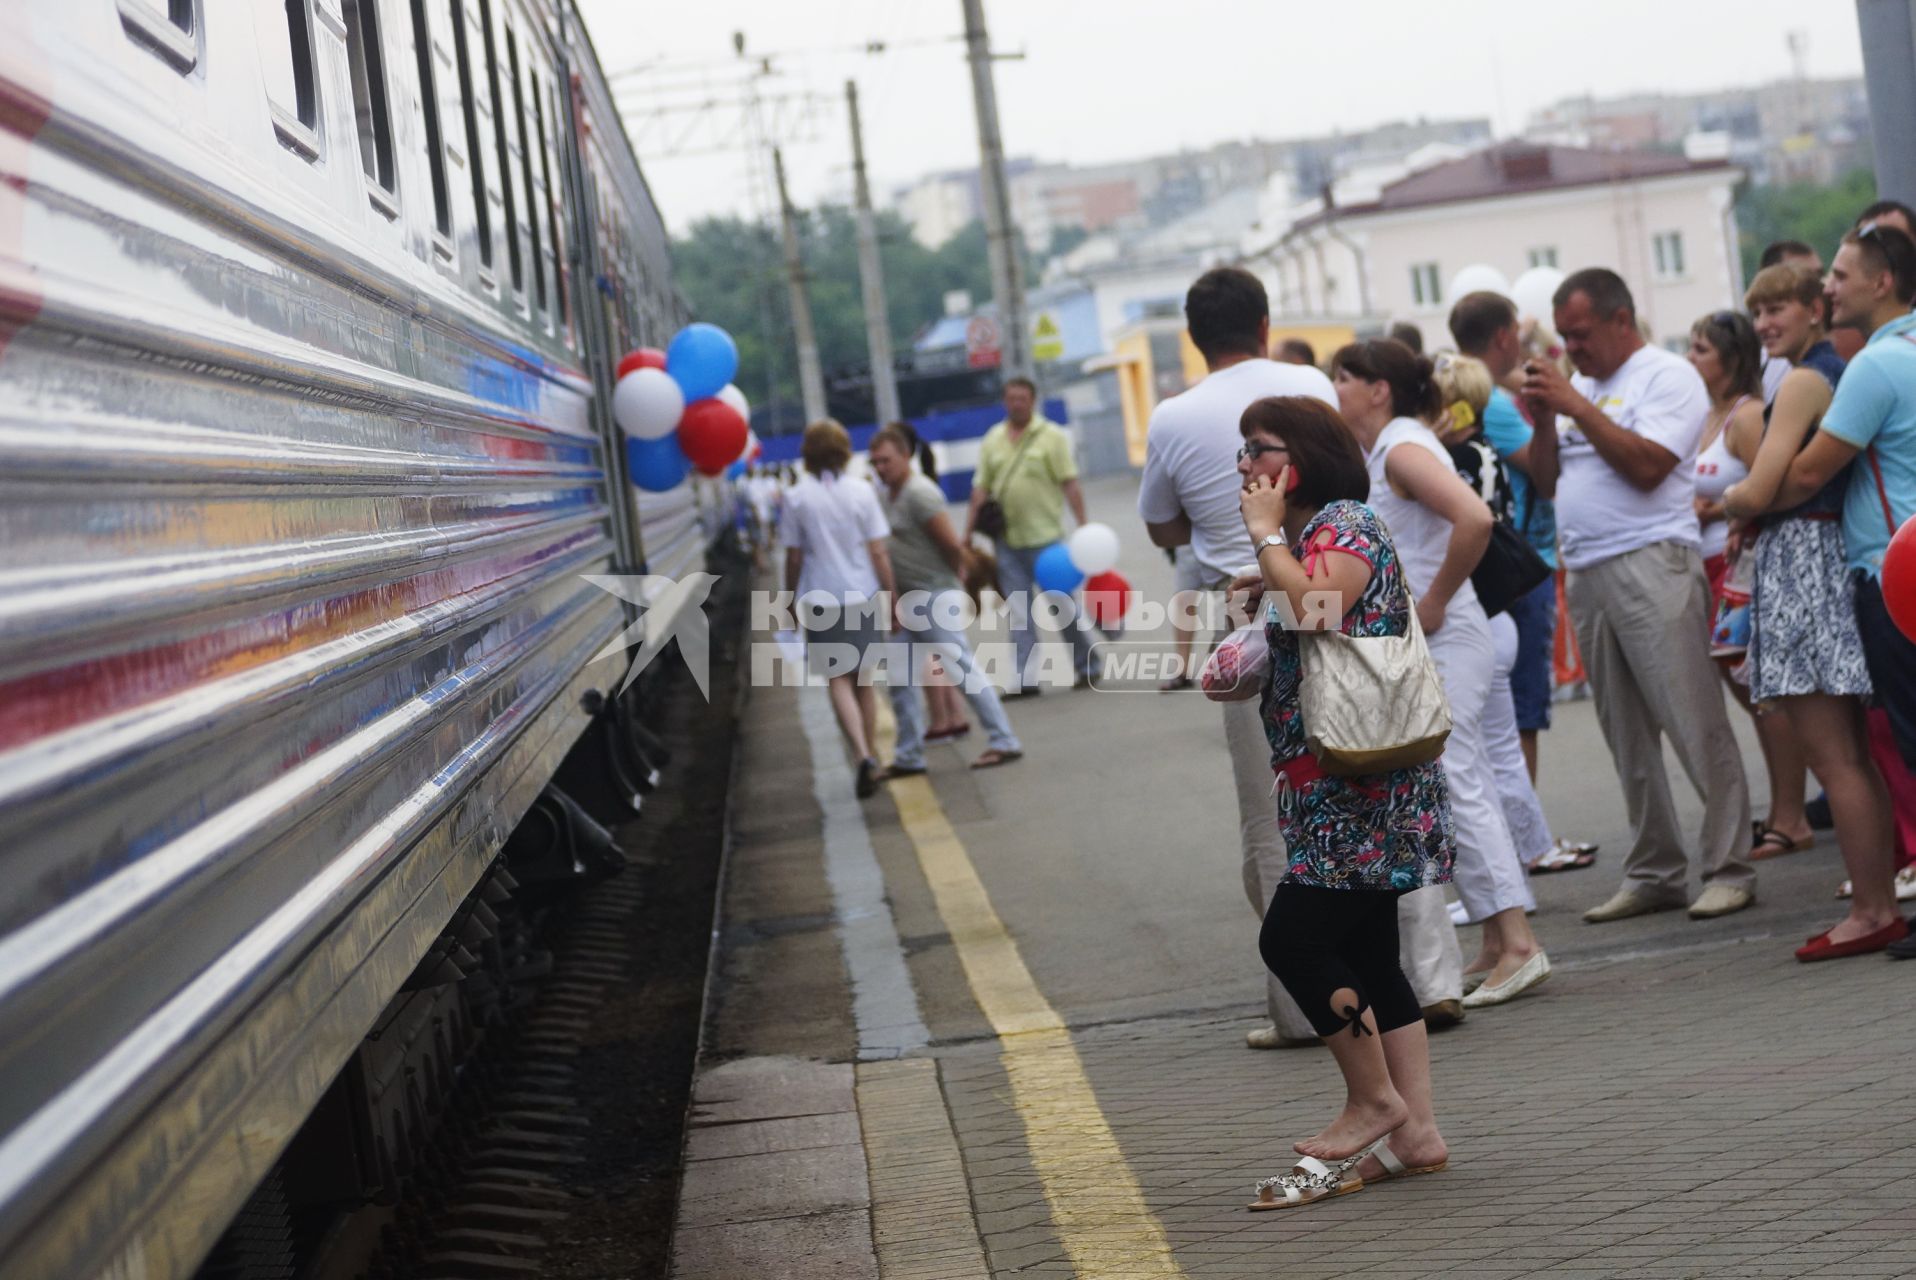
x=367 y=63
x=505 y=161
x=552 y=196
x=475 y=161
x=429 y=101
x=284 y=31
x=525 y=170
x=169 y=28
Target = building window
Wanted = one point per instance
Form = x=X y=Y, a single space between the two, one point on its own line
x=475 y=160
x=283 y=30
x=1424 y=289
x=367 y=62
x=429 y=102
x=1667 y=250
x=167 y=27
x=1544 y=256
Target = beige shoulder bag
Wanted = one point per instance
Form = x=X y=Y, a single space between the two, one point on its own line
x=1371 y=703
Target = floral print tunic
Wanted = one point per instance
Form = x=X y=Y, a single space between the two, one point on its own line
x=1389 y=831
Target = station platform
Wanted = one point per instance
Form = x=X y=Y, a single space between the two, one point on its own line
x=991 y=1023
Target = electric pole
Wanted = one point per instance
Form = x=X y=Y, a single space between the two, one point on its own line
x=811 y=379
x=1888 y=30
x=871 y=276
x=1007 y=274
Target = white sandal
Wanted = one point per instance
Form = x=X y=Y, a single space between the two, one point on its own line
x=1309 y=1179
x=1396 y=1168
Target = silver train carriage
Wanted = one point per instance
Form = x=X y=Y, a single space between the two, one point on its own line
x=307 y=311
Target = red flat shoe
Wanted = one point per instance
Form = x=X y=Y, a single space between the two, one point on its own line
x=1821 y=948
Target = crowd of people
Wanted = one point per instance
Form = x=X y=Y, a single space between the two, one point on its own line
x=1717 y=519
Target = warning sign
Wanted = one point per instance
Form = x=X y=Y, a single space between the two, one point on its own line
x=1047 y=337
x=982 y=342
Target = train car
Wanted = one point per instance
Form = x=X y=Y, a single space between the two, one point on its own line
x=308 y=310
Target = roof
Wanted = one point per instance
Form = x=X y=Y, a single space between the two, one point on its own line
x=1517 y=168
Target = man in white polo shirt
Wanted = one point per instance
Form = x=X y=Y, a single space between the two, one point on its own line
x=1189 y=495
x=1628 y=430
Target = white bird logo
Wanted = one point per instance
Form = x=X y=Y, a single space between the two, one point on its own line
x=671 y=608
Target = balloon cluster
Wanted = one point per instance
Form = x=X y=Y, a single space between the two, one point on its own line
x=1088 y=558
x=679 y=409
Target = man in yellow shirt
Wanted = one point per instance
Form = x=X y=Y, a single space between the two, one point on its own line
x=1025 y=464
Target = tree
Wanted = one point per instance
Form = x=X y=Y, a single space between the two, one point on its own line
x=1815 y=214
x=732 y=273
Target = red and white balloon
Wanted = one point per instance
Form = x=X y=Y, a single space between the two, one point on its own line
x=650 y=401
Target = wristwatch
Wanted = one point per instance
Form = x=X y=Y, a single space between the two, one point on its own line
x=1269 y=540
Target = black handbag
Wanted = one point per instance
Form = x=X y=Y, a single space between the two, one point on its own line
x=1509 y=567
x=991 y=513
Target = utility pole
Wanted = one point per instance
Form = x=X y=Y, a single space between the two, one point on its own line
x=1888 y=30
x=871 y=275
x=811 y=379
x=1007 y=273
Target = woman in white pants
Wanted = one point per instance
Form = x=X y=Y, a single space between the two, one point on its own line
x=1386 y=391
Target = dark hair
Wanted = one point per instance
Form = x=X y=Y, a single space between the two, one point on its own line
x=1887 y=249
x=1299 y=350
x=904 y=437
x=1224 y=309
x=1478 y=318
x=1733 y=338
x=1781 y=249
x=1330 y=467
x=1882 y=207
x=1019 y=380
x=1413 y=388
x=1606 y=290
x=1408 y=334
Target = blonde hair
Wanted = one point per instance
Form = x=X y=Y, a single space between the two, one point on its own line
x=826 y=446
x=1784 y=282
x=1462 y=381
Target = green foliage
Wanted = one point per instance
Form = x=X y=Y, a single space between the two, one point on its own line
x=1817 y=215
x=732 y=274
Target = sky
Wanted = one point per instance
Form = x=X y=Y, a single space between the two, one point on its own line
x=1107 y=80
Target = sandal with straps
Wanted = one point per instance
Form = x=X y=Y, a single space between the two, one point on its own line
x=1310 y=1179
x=1396 y=1168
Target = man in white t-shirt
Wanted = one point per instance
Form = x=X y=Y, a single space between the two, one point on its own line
x=1628 y=426
x=1190 y=495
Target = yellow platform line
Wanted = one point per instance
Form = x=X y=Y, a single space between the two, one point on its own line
x=1097 y=1206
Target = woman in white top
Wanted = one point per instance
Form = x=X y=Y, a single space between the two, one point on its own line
x=837 y=563
x=1725 y=352
x=1441 y=527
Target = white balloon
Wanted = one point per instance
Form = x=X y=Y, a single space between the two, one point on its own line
x=736 y=398
x=1478 y=278
x=1093 y=549
x=647 y=403
x=1532 y=293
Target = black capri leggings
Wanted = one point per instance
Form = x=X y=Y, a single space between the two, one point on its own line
x=1319 y=941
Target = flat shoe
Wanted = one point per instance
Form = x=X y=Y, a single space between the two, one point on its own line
x=1395 y=1168
x=1720 y=900
x=1309 y=1180
x=1625 y=903
x=1768 y=842
x=1821 y=948
x=1533 y=973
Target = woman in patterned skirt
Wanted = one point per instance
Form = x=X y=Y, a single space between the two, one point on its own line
x=1806 y=656
x=1356 y=844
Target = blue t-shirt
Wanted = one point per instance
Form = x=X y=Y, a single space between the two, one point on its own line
x=1507 y=431
x=1875 y=405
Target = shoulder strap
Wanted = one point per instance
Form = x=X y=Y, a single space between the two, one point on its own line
x=1882 y=492
x=1018 y=454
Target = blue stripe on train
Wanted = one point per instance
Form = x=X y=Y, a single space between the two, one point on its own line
x=950 y=426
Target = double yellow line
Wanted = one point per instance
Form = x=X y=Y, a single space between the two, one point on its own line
x=1097 y=1206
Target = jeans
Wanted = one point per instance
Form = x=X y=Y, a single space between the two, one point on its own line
x=954 y=652
x=1017 y=572
x=1531 y=678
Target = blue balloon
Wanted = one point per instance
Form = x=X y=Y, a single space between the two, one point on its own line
x=702 y=359
x=656 y=465
x=1055 y=572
